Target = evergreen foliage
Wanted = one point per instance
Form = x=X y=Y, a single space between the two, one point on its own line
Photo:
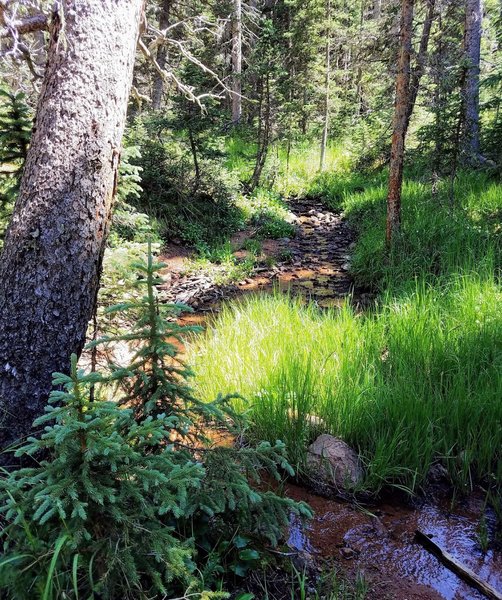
x=129 y=499
x=15 y=126
x=15 y=133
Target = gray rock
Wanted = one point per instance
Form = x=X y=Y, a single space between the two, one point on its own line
x=438 y=474
x=331 y=460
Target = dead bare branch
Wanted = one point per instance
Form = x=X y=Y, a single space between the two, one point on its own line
x=187 y=90
x=22 y=26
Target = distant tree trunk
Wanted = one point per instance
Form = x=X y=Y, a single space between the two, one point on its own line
x=470 y=90
x=419 y=69
x=377 y=9
x=400 y=121
x=237 y=62
x=51 y=262
x=193 y=145
x=158 y=82
x=264 y=126
x=327 y=77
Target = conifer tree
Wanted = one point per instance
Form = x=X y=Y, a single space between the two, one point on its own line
x=15 y=133
x=129 y=498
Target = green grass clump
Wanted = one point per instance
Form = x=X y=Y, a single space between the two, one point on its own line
x=219 y=262
x=443 y=233
x=418 y=381
x=415 y=381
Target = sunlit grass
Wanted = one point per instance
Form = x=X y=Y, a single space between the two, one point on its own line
x=296 y=171
x=288 y=171
x=417 y=380
x=442 y=233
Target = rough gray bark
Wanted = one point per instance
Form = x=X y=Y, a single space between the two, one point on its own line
x=470 y=89
x=237 y=62
x=51 y=262
x=400 y=121
x=158 y=82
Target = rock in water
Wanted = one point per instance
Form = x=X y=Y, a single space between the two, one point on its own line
x=331 y=460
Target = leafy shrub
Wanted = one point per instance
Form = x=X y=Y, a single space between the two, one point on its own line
x=130 y=499
x=266 y=211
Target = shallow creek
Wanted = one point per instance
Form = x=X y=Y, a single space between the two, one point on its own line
x=379 y=544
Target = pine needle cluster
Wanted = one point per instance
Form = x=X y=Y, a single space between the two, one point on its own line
x=15 y=134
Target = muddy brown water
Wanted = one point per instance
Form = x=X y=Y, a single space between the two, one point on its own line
x=379 y=544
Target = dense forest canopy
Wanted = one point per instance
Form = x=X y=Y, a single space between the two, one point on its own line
x=319 y=182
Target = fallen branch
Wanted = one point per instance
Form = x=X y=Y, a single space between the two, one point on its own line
x=454 y=565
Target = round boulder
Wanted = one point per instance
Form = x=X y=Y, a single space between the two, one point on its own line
x=331 y=460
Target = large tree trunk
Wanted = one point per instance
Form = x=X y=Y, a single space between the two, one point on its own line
x=158 y=82
x=400 y=121
x=237 y=62
x=470 y=92
x=51 y=262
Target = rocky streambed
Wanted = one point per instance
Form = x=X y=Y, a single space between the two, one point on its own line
x=314 y=264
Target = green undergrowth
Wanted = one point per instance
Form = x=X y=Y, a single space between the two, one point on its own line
x=414 y=381
x=445 y=231
x=221 y=264
x=131 y=498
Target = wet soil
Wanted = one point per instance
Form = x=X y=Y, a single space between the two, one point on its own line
x=379 y=543
x=313 y=265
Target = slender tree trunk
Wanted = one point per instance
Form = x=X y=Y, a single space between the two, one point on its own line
x=51 y=262
x=470 y=90
x=419 y=69
x=400 y=121
x=304 y=118
x=327 y=77
x=264 y=126
x=158 y=82
x=237 y=62
x=193 y=146
x=377 y=10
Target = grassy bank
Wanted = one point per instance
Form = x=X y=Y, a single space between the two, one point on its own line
x=415 y=381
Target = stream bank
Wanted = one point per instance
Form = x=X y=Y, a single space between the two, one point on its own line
x=378 y=543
